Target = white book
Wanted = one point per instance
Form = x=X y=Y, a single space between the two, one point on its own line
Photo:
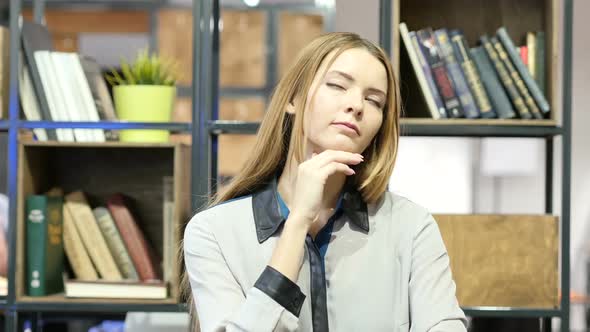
x=85 y=95
x=405 y=34
x=28 y=98
x=53 y=96
x=67 y=89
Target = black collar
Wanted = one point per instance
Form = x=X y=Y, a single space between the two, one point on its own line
x=267 y=212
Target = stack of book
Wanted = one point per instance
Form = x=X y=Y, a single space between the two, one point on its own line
x=62 y=86
x=487 y=81
x=108 y=253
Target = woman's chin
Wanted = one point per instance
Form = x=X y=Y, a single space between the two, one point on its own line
x=340 y=147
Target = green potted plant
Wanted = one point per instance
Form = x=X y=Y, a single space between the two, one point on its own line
x=144 y=92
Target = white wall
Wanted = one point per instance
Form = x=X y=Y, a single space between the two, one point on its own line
x=580 y=214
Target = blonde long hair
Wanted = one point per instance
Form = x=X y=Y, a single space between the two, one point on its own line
x=271 y=150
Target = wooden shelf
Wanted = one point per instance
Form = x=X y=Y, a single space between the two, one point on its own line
x=101 y=169
x=431 y=127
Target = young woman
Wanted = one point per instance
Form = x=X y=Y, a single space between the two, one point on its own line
x=307 y=237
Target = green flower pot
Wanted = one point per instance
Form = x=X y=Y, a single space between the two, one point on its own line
x=144 y=103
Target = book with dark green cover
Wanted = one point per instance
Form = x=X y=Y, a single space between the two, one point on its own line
x=454 y=69
x=461 y=50
x=540 y=60
x=529 y=84
x=506 y=79
x=44 y=237
x=516 y=78
x=491 y=82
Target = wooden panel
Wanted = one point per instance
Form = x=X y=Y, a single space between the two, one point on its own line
x=175 y=39
x=503 y=260
x=478 y=17
x=65 y=42
x=295 y=31
x=101 y=170
x=243 y=50
x=235 y=149
x=94 y=20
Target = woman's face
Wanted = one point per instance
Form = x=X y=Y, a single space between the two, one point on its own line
x=352 y=93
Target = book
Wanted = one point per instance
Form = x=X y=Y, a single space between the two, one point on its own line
x=28 y=100
x=115 y=242
x=423 y=74
x=532 y=48
x=505 y=78
x=75 y=251
x=461 y=49
x=141 y=252
x=44 y=257
x=100 y=93
x=88 y=107
x=439 y=73
x=490 y=80
x=124 y=289
x=540 y=60
x=456 y=74
x=433 y=90
x=523 y=72
x=92 y=237
x=4 y=71
x=36 y=37
x=516 y=78
x=523 y=52
x=53 y=93
x=66 y=93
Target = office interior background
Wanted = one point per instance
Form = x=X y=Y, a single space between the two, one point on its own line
x=446 y=175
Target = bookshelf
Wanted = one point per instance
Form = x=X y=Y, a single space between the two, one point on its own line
x=136 y=169
x=475 y=18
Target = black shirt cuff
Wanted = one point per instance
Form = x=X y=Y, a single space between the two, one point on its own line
x=281 y=289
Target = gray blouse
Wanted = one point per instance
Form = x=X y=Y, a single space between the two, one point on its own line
x=385 y=269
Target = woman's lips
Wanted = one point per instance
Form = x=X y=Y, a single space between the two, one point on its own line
x=345 y=127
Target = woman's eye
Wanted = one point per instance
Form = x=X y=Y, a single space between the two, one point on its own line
x=335 y=86
x=375 y=102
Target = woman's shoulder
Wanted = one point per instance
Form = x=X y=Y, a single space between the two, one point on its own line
x=404 y=209
x=220 y=215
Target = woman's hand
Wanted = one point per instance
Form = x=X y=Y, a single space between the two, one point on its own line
x=312 y=176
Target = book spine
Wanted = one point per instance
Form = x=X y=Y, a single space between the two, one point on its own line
x=475 y=83
x=440 y=107
x=540 y=60
x=531 y=46
x=91 y=236
x=505 y=78
x=521 y=71
x=420 y=74
x=54 y=265
x=75 y=251
x=115 y=243
x=523 y=51
x=4 y=71
x=490 y=80
x=136 y=243
x=454 y=69
x=36 y=206
x=439 y=73
x=517 y=79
